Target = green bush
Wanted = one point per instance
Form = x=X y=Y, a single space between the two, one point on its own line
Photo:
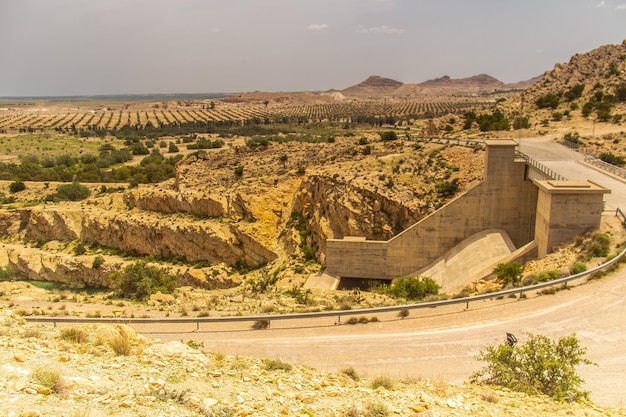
x=138 y=281
x=509 y=273
x=572 y=137
x=546 y=101
x=70 y=192
x=540 y=366
x=98 y=261
x=411 y=288
x=599 y=245
x=612 y=159
x=447 y=188
x=388 y=135
x=546 y=276
x=577 y=267
x=16 y=187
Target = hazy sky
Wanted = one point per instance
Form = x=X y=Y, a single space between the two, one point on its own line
x=76 y=47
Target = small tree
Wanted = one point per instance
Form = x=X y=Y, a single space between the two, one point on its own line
x=72 y=192
x=509 y=273
x=549 y=100
x=388 y=135
x=540 y=366
x=17 y=186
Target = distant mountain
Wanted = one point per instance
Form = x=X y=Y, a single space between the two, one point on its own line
x=373 y=85
x=377 y=87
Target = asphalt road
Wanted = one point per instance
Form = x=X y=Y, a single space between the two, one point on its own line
x=442 y=343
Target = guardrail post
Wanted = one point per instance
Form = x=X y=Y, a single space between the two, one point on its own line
x=198 y=325
x=338 y=319
x=467 y=305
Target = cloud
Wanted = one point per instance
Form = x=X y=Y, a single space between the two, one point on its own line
x=621 y=6
x=320 y=26
x=601 y=4
x=382 y=29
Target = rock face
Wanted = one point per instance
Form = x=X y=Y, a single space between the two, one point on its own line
x=291 y=198
x=146 y=234
x=335 y=209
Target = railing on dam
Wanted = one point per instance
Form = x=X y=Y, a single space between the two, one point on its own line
x=550 y=173
x=339 y=314
x=605 y=166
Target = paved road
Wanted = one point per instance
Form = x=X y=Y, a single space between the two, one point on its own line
x=442 y=343
x=569 y=164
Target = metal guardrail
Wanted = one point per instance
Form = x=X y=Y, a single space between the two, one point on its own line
x=605 y=166
x=620 y=215
x=446 y=141
x=339 y=313
x=540 y=167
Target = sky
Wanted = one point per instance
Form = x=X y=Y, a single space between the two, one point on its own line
x=91 y=47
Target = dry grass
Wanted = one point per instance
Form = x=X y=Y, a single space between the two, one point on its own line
x=74 y=335
x=121 y=343
x=49 y=377
x=382 y=381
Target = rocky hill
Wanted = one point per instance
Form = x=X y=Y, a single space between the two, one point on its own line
x=373 y=86
x=595 y=76
x=95 y=370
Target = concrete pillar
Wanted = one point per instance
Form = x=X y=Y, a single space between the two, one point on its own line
x=566 y=209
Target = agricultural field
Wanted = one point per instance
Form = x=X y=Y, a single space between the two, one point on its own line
x=14 y=147
x=103 y=118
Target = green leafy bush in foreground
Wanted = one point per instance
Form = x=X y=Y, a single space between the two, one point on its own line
x=540 y=366
x=411 y=288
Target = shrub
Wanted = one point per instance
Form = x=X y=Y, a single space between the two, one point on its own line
x=370 y=410
x=74 y=335
x=575 y=92
x=138 y=281
x=16 y=187
x=599 y=245
x=546 y=276
x=351 y=373
x=612 y=159
x=540 y=366
x=49 y=377
x=447 y=188
x=388 y=135
x=404 y=313
x=261 y=324
x=495 y=121
x=412 y=288
x=276 y=365
x=549 y=100
x=120 y=343
x=577 y=267
x=98 y=261
x=70 y=192
x=509 y=273
x=79 y=249
x=572 y=137
x=382 y=381
x=521 y=123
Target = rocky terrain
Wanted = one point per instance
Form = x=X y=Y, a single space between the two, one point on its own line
x=240 y=216
x=95 y=370
x=288 y=200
